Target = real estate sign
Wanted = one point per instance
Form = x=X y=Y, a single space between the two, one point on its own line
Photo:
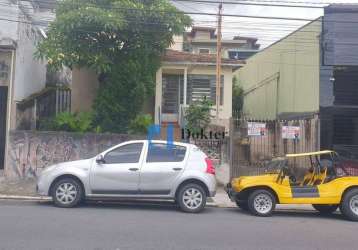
x=256 y=129
x=291 y=132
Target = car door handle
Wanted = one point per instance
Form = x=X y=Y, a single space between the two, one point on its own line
x=177 y=169
x=134 y=169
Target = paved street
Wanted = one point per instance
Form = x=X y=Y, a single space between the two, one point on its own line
x=32 y=225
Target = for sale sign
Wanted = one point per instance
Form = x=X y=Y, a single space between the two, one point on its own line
x=290 y=132
x=256 y=129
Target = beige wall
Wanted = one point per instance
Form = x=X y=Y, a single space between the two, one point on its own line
x=225 y=110
x=283 y=77
x=177 y=43
x=83 y=89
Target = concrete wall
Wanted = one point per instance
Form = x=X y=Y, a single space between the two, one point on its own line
x=178 y=42
x=83 y=89
x=31 y=151
x=8 y=30
x=284 y=78
x=30 y=74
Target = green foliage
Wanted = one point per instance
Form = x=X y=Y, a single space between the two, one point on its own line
x=140 y=124
x=70 y=122
x=237 y=96
x=198 y=115
x=122 y=40
x=99 y=33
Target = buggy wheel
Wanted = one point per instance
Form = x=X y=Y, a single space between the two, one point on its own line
x=349 y=205
x=325 y=209
x=261 y=203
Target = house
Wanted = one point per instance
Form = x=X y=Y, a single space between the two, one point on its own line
x=20 y=74
x=188 y=73
x=311 y=73
x=202 y=40
x=187 y=77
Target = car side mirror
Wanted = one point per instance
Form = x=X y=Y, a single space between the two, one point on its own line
x=100 y=159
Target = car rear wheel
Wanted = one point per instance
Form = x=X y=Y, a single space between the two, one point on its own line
x=261 y=203
x=325 y=209
x=191 y=198
x=349 y=205
x=67 y=192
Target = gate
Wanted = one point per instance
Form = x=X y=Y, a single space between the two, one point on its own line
x=251 y=153
x=3 y=112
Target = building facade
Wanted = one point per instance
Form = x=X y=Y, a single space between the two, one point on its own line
x=21 y=74
x=311 y=72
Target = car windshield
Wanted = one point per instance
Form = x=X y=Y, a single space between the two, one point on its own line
x=275 y=164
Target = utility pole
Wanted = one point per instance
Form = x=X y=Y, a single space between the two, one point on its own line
x=218 y=60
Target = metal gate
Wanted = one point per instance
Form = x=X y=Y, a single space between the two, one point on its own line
x=3 y=112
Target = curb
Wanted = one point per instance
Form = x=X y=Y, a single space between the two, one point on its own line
x=23 y=197
x=208 y=204
x=44 y=198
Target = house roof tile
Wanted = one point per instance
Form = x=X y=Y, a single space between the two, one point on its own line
x=181 y=56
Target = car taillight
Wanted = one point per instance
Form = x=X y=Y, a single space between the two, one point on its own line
x=210 y=168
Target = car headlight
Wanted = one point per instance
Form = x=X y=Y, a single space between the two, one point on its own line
x=48 y=170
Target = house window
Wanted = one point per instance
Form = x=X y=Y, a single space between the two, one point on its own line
x=4 y=71
x=204 y=51
x=204 y=85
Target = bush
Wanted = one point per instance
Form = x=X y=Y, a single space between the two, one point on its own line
x=70 y=122
x=198 y=115
x=140 y=124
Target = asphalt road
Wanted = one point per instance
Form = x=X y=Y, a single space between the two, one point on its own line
x=32 y=225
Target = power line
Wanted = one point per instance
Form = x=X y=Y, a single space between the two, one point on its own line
x=250 y=4
x=206 y=13
x=182 y=12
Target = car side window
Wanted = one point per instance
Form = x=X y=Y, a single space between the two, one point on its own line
x=160 y=152
x=129 y=153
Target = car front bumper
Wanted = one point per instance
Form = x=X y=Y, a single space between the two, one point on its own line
x=42 y=186
x=230 y=192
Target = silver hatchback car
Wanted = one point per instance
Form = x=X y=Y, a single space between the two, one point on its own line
x=134 y=169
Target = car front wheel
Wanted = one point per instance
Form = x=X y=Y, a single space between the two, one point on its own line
x=349 y=205
x=67 y=192
x=261 y=203
x=191 y=198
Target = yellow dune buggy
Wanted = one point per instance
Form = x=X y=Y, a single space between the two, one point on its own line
x=328 y=183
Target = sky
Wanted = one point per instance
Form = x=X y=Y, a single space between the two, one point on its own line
x=266 y=30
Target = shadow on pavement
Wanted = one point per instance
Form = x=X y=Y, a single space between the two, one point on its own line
x=128 y=204
x=295 y=214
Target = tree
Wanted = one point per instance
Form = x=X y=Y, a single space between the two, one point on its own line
x=122 y=40
x=237 y=96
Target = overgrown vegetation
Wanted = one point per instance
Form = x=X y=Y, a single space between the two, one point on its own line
x=70 y=122
x=198 y=115
x=140 y=124
x=122 y=40
x=237 y=97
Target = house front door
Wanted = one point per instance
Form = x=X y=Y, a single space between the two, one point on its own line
x=3 y=112
x=172 y=96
